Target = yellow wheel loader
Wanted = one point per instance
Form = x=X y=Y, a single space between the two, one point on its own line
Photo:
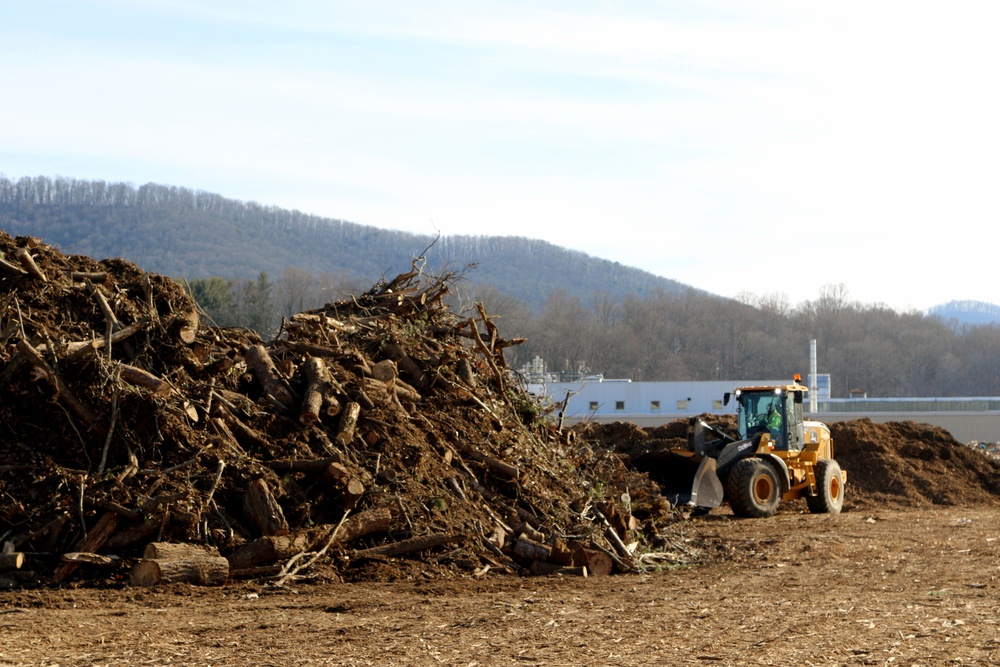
x=775 y=455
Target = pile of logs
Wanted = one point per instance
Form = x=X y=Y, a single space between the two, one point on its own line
x=139 y=442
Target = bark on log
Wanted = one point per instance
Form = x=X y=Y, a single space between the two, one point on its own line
x=529 y=550
x=405 y=392
x=492 y=462
x=62 y=391
x=351 y=493
x=406 y=364
x=385 y=371
x=263 y=510
x=136 y=532
x=562 y=553
x=86 y=558
x=78 y=348
x=263 y=369
x=348 y=422
x=28 y=262
x=598 y=563
x=11 y=269
x=94 y=540
x=11 y=561
x=540 y=568
x=377 y=392
x=318 y=385
x=142 y=378
x=198 y=567
x=281 y=547
x=185 y=325
x=92 y=276
x=348 y=488
x=105 y=307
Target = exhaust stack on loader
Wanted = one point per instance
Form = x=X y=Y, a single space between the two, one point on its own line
x=775 y=455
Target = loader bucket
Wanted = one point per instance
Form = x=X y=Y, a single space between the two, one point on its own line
x=689 y=480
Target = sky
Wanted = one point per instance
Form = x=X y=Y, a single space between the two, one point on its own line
x=774 y=147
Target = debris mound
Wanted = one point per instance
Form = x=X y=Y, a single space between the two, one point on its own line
x=377 y=435
x=913 y=464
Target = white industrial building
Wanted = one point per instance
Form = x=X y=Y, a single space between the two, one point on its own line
x=654 y=403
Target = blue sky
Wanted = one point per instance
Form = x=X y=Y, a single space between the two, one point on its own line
x=769 y=147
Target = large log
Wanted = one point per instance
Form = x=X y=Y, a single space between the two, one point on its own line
x=11 y=561
x=540 y=568
x=263 y=510
x=186 y=324
x=263 y=369
x=348 y=422
x=597 y=562
x=166 y=563
x=272 y=548
x=529 y=550
x=317 y=394
x=492 y=462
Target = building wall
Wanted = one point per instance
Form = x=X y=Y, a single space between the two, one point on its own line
x=655 y=403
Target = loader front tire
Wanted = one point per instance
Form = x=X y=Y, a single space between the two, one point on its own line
x=753 y=489
x=829 y=498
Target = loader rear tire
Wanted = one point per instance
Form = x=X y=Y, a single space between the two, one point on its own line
x=829 y=498
x=753 y=489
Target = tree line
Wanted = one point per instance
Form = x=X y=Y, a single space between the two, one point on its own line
x=671 y=337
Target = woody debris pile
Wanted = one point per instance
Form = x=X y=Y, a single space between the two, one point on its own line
x=376 y=437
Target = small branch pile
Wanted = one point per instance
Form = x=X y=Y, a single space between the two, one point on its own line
x=374 y=435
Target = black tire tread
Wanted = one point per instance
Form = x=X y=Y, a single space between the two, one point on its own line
x=824 y=502
x=740 y=489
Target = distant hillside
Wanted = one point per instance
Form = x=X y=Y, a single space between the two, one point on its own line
x=967 y=312
x=192 y=234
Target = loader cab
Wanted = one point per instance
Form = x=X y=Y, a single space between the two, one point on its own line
x=773 y=410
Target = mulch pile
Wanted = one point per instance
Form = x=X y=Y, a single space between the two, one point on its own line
x=898 y=463
x=913 y=464
x=376 y=436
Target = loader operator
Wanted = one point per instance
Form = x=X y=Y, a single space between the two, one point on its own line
x=773 y=422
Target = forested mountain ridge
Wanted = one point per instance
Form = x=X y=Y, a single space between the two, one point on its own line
x=967 y=312
x=578 y=314
x=192 y=234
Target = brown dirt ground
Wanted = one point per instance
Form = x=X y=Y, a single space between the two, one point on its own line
x=872 y=586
